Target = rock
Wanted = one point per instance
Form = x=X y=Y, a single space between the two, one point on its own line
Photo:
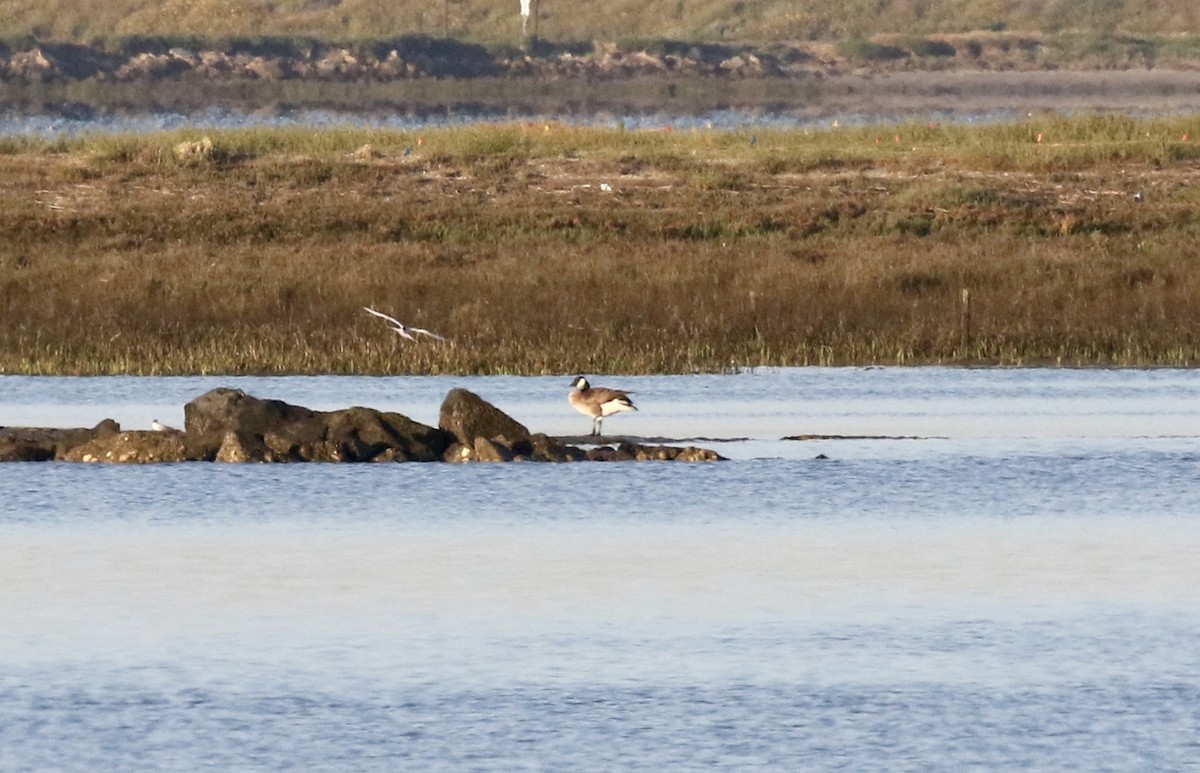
x=646 y=62
x=238 y=449
x=467 y=416
x=41 y=444
x=389 y=455
x=263 y=69
x=364 y=433
x=694 y=454
x=213 y=64
x=643 y=453
x=410 y=57
x=546 y=449
x=394 y=66
x=135 y=447
x=339 y=63
x=147 y=65
x=210 y=416
x=492 y=451
x=671 y=453
x=460 y=452
x=184 y=55
x=234 y=426
x=750 y=65
x=281 y=447
x=32 y=65
x=228 y=425
x=536 y=448
x=24 y=451
x=608 y=454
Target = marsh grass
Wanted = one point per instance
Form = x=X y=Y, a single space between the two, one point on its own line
x=258 y=24
x=709 y=252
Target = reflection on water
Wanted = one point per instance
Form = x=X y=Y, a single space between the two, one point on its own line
x=1013 y=586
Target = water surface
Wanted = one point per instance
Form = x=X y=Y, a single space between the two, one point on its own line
x=989 y=569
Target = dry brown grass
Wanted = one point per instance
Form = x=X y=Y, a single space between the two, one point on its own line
x=498 y=20
x=709 y=252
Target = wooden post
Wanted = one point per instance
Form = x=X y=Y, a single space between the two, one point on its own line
x=965 y=321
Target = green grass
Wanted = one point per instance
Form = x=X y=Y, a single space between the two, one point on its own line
x=807 y=247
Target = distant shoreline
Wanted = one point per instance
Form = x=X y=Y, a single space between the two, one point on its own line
x=967 y=74
x=958 y=95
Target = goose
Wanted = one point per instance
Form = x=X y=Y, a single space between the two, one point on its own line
x=403 y=330
x=598 y=402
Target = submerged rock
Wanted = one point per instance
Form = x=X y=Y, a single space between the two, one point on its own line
x=674 y=454
x=635 y=452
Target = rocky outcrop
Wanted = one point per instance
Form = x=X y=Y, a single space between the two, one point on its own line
x=484 y=433
x=362 y=434
x=228 y=425
x=467 y=416
x=213 y=415
x=136 y=447
x=43 y=444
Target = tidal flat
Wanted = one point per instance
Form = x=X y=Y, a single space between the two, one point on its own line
x=541 y=247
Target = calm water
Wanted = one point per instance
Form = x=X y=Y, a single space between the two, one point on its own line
x=19 y=124
x=1002 y=574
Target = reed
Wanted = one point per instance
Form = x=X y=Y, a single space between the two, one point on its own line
x=710 y=251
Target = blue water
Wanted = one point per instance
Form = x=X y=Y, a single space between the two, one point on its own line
x=15 y=124
x=991 y=569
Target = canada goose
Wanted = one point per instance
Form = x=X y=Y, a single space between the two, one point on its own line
x=598 y=402
x=403 y=330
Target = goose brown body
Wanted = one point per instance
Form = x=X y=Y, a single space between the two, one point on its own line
x=598 y=402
